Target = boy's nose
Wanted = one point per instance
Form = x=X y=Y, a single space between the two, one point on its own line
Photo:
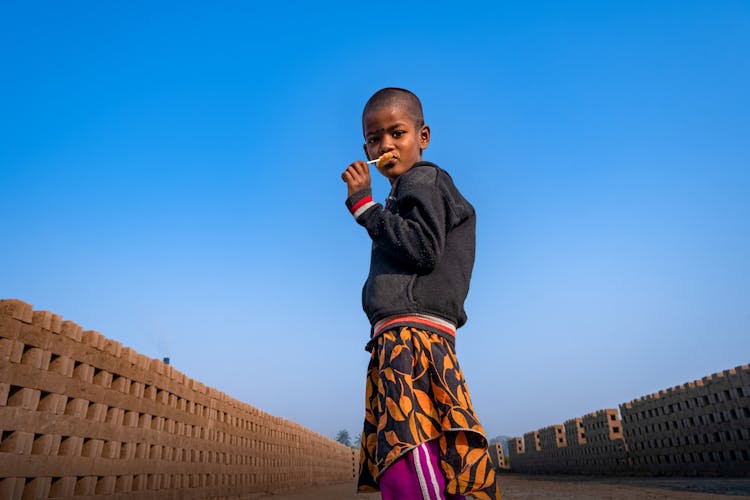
x=386 y=143
x=385 y=146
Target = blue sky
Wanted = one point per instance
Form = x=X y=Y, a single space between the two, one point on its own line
x=169 y=176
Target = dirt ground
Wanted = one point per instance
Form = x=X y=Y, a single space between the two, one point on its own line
x=525 y=487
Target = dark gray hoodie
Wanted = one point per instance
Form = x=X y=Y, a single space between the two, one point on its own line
x=423 y=245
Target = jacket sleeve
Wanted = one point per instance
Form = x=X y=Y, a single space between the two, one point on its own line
x=415 y=234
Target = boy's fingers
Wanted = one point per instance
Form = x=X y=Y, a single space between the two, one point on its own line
x=357 y=170
x=362 y=168
x=350 y=175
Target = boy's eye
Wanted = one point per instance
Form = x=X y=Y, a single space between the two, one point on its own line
x=372 y=140
x=398 y=133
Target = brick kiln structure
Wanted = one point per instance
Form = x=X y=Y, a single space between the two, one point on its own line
x=81 y=415
x=702 y=427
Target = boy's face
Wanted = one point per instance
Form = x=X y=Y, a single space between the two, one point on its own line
x=392 y=129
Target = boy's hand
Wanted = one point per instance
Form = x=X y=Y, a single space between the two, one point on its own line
x=357 y=177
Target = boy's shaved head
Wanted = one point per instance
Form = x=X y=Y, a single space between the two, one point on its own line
x=394 y=96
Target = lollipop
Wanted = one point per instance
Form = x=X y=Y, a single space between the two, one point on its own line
x=382 y=161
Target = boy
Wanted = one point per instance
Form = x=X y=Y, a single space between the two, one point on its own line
x=421 y=438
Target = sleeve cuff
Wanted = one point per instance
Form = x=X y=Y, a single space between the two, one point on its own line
x=360 y=202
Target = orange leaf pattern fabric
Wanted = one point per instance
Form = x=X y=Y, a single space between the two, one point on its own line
x=416 y=393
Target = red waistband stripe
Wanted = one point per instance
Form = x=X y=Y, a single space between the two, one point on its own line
x=431 y=322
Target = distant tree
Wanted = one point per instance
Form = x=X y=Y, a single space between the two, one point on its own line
x=343 y=437
x=357 y=441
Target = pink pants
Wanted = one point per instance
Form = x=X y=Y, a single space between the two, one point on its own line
x=416 y=475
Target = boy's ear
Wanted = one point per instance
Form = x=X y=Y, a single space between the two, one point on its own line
x=424 y=137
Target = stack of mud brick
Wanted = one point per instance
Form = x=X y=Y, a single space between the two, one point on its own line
x=525 y=452
x=498 y=456
x=591 y=444
x=702 y=427
x=553 y=441
x=516 y=451
x=81 y=415
x=605 y=451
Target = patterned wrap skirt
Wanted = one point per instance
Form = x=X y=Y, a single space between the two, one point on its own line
x=416 y=393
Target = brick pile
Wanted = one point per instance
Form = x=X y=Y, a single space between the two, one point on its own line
x=590 y=444
x=702 y=427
